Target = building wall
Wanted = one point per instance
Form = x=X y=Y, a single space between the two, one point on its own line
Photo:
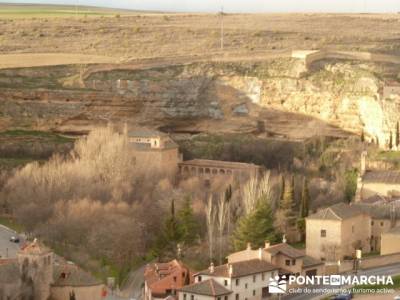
x=383 y=189
x=81 y=293
x=356 y=232
x=390 y=243
x=316 y=246
x=41 y=271
x=190 y=296
x=280 y=261
x=245 y=286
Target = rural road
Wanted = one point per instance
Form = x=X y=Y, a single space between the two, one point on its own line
x=8 y=249
x=386 y=270
x=29 y=60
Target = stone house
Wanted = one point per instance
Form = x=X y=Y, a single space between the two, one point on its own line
x=335 y=232
x=232 y=281
x=154 y=150
x=35 y=275
x=289 y=260
x=162 y=280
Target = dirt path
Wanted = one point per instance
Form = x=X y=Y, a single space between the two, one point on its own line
x=28 y=60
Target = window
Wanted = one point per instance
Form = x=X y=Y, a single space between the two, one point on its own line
x=225 y=282
x=174 y=278
x=323 y=233
x=254 y=292
x=287 y=262
x=372 y=223
x=293 y=262
x=225 y=297
x=219 y=298
x=184 y=296
x=237 y=297
x=381 y=223
x=237 y=281
x=254 y=278
x=191 y=297
x=199 y=278
x=262 y=276
x=245 y=285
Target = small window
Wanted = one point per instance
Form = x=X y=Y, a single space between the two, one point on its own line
x=199 y=278
x=254 y=278
x=287 y=262
x=237 y=297
x=245 y=285
x=226 y=282
x=174 y=278
x=237 y=281
x=322 y=258
x=262 y=276
x=372 y=223
x=225 y=297
x=191 y=297
x=254 y=292
x=323 y=233
x=219 y=298
x=184 y=296
x=293 y=262
x=381 y=223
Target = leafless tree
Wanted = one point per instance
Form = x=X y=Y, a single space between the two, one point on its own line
x=211 y=216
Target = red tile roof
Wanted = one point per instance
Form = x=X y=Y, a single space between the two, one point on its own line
x=162 y=278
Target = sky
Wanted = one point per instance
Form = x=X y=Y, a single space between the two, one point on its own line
x=350 y=6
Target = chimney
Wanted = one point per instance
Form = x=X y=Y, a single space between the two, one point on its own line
x=211 y=268
x=267 y=244
x=248 y=246
x=260 y=253
x=230 y=270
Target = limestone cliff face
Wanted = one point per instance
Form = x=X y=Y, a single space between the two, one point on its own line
x=233 y=96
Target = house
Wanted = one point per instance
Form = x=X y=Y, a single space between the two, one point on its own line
x=381 y=183
x=69 y=279
x=390 y=241
x=154 y=150
x=162 y=280
x=288 y=259
x=35 y=275
x=335 y=232
x=232 y=281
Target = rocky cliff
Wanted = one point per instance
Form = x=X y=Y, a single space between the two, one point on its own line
x=282 y=95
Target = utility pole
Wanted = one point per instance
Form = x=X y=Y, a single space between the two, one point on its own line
x=222 y=28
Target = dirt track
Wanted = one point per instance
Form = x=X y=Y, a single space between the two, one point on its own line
x=8 y=61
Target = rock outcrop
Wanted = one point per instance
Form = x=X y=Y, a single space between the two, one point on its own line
x=234 y=96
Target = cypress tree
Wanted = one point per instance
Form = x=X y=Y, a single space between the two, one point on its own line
x=188 y=225
x=305 y=200
x=255 y=228
x=390 y=141
x=282 y=188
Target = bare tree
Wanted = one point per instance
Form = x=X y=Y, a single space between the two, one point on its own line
x=253 y=190
x=223 y=212
x=211 y=215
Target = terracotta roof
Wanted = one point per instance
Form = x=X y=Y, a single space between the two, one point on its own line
x=9 y=272
x=284 y=249
x=340 y=211
x=392 y=177
x=34 y=247
x=240 y=269
x=218 y=164
x=161 y=277
x=309 y=261
x=394 y=230
x=72 y=275
x=144 y=132
x=382 y=211
x=207 y=288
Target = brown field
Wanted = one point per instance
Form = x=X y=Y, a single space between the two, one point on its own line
x=136 y=36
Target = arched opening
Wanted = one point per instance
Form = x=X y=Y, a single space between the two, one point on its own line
x=222 y=171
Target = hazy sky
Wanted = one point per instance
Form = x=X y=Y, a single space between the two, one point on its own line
x=239 y=5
